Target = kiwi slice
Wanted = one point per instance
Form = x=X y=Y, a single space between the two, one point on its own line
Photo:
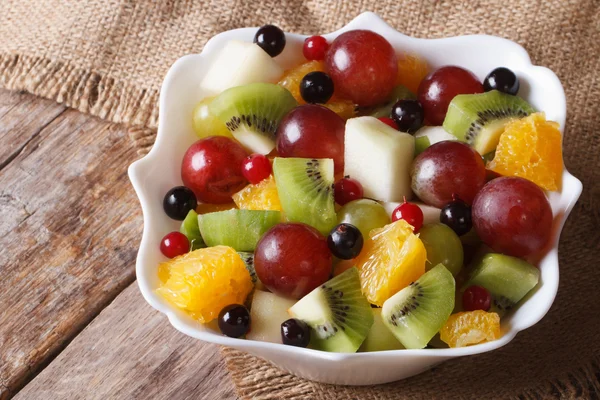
x=252 y=113
x=189 y=227
x=305 y=188
x=338 y=313
x=479 y=119
x=380 y=338
x=507 y=278
x=240 y=229
x=417 y=312
x=400 y=92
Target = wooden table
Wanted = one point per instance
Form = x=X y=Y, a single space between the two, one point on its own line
x=72 y=321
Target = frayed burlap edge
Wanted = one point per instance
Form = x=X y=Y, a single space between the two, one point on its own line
x=256 y=378
x=85 y=91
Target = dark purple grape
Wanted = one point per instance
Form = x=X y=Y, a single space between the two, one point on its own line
x=295 y=333
x=408 y=115
x=234 y=320
x=345 y=241
x=316 y=87
x=503 y=80
x=271 y=39
x=457 y=215
x=178 y=202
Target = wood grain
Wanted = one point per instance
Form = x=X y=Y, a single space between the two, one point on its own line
x=130 y=351
x=69 y=224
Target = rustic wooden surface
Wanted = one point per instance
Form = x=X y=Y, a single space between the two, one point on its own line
x=130 y=351
x=69 y=227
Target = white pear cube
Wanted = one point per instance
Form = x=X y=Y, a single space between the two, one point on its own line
x=379 y=157
x=239 y=63
x=267 y=312
x=435 y=134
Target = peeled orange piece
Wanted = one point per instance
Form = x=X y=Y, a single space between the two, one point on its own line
x=204 y=281
x=411 y=71
x=392 y=257
x=471 y=327
x=291 y=81
x=262 y=196
x=531 y=148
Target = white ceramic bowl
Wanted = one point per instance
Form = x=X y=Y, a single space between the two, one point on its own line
x=156 y=173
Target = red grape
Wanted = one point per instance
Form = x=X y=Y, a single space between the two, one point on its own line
x=512 y=216
x=174 y=244
x=438 y=89
x=292 y=259
x=256 y=167
x=346 y=190
x=445 y=169
x=312 y=131
x=476 y=298
x=315 y=48
x=363 y=66
x=212 y=168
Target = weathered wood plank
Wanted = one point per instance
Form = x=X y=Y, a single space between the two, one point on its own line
x=131 y=351
x=69 y=224
x=22 y=117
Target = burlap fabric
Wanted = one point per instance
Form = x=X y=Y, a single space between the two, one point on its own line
x=108 y=58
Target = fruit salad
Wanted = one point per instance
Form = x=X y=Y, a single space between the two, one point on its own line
x=359 y=201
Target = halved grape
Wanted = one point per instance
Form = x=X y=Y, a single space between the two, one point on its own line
x=365 y=214
x=443 y=247
x=205 y=123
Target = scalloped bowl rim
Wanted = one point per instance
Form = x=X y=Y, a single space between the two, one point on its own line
x=138 y=172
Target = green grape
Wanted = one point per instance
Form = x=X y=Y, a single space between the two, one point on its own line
x=365 y=214
x=189 y=227
x=443 y=246
x=206 y=124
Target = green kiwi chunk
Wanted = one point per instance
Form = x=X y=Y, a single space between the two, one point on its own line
x=189 y=227
x=337 y=312
x=253 y=112
x=399 y=92
x=479 y=119
x=507 y=278
x=240 y=229
x=380 y=338
x=421 y=144
x=305 y=188
x=417 y=312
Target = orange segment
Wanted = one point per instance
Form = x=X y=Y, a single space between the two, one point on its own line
x=531 y=148
x=291 y=81
x=392 y=258
x=262 y=196
x=204 y=281
x=472 y=327
x=411 y=71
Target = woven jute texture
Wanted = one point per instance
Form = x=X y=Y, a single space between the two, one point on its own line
x=108 y=58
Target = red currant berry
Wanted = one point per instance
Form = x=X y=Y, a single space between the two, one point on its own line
x=411 y=213
x=476 y=298
x=256 y=167
x=174 y=244
x=315 y=48
x=388 y=121
x=347 y=189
